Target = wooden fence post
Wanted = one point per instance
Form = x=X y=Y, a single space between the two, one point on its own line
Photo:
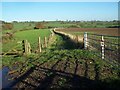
x=49 y=38
x=45 y=42
x=39 y=45
x=29 y=48
x=23 y=42
x=85 y=41
x=102 y=47
x=26 y=47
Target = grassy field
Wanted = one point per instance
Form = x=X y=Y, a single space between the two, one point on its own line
x=63 y=64
x=82 y=24
x=54 y=24
x=16 y=44
x=23 y=26
x=67 y=67
x=30 y=35
x=64 y=24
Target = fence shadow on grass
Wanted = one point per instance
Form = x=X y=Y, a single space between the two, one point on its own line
x=97 y=72
x=72 y=80
x=86 y=69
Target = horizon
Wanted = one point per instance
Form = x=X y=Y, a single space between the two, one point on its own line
x=61 y=20
x=52 y=11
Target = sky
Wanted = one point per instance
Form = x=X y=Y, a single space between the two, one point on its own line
x=50 y=11
x=59 y=0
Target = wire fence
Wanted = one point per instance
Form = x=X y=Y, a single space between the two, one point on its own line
x=105 y=47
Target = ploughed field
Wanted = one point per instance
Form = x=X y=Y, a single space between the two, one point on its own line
x=103 y=31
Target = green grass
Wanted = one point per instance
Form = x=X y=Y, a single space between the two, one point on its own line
x=6 y=31
x=30 y=35
x=57 y=53
x=60 y=24
x=60 y=50
x=76 y=33
x=97 y=24
x=66 y=24
x=89 y=24
x=23 y=26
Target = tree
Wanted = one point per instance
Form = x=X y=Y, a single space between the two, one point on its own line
x=6 y=26
x=39 y=26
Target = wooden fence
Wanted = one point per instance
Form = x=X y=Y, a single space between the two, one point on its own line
x=47 y=41
x=28 y=49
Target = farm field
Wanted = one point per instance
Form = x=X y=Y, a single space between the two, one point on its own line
x=64 y=64
x=16 y=45
x=30 y=35
x=94 y=36
x=59 y=45
x=102 y=31
x=66 y=67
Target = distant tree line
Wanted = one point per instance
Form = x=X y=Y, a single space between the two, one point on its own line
x=27 y=25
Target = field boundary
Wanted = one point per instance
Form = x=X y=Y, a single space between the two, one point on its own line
x=104 y=46
x=26 y=46
x=74 y=38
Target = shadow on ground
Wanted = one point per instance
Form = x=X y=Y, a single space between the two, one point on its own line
x=67 y=73
x=67 y=43
x=60 y=74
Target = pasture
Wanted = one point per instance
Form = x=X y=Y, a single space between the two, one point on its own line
x=16 y=45
x=30 y=35
x=62 y=64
